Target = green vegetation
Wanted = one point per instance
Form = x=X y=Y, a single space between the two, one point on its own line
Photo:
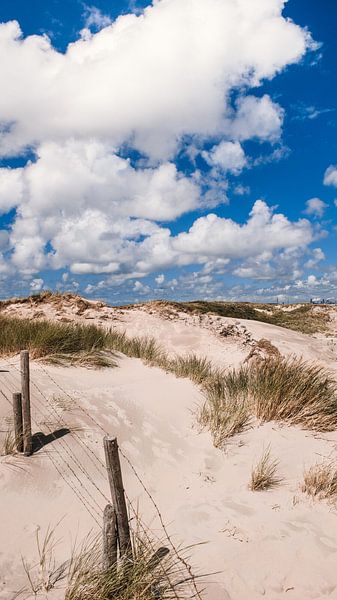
x=304 y=318
x=141 y=579
x=264 y=473
x=271 y=389
x=154 y=572
x=276 y=389
x=74 y=343
x=320 y=481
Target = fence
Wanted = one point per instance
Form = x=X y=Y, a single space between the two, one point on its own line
x=112 y=517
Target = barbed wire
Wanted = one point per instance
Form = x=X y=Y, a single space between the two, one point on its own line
x=128 y=461
x=58 y=466
x=144 y=487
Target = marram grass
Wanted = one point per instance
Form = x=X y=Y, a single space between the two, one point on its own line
x=264 y=474
x=320 y=481
x=282 y=389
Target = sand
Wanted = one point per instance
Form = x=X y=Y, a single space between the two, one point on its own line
x=275 y=544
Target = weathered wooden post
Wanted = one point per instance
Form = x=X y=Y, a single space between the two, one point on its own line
x=109 y=538
x=157 y=557
x=18 y=426
x=25 y=387
x=117 y=494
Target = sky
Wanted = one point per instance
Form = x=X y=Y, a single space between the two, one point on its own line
x=174 y=149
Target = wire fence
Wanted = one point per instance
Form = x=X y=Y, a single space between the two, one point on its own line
x=71 y=460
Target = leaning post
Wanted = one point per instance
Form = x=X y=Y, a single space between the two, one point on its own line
x=118 y=496
x=109 y=538
x=25 y=389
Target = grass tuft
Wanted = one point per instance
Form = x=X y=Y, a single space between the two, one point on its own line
x=293 y=391
x=153 y=573
x=137 y=580
x=288 y=390
x=320 y=481
x=198 y=369
x=8 y=444
x=264 y=473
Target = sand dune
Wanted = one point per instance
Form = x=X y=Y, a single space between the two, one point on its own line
x=274 y=544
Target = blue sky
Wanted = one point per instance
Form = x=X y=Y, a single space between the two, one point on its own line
x=185 y=151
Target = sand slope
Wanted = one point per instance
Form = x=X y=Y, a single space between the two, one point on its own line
x=274 y=544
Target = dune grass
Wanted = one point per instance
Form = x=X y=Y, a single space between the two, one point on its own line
x=141 y=579
x=304 y=318
x=264 y=473
x=282 y=389
x=320 y=481
x=72 y=343
x=154 y=571
x=8 y=443
x=288 y=390
x=193 y=367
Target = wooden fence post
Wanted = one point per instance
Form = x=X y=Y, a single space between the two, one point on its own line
x=109 y=537
x=18 y=427
x=117 y=494
x=27 y=425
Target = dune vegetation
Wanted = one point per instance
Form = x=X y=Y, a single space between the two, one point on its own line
x=264 y=474
x=320 y=481
x=289 y=390
x=305 y=318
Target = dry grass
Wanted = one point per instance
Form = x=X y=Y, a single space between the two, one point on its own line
x=293 y=391
x=8 y=443
x=264 y=473
x=275 y=388
x=83 y=577
x=288 y=390
x=304 y=318
x=137 y=580
x=47 y=338
x=263 y=349
x=145 y=348
x=225 y=412
x=320 y=481
x=198 y=369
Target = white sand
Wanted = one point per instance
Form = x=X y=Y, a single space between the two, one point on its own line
x=275 y=544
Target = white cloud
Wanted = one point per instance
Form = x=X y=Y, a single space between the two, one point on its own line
x=317 y=256
x=241 y=190
x=315 y=207
x=229 y=156
x=257 y=118
x=330 y=176
x=150 y=79
x=264 y=231
x=69 y=177
x=95 y=18
x=160 y=279
x=143 y=82
x=36 y=285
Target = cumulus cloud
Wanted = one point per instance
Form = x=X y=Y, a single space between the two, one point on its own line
x=228 y=156
x=264 y=231
x=330 y=176
x=257 y=118
x=317 y=256
x=144 y=82
x=149 y=79
x=67 y=178
x=315 y=207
